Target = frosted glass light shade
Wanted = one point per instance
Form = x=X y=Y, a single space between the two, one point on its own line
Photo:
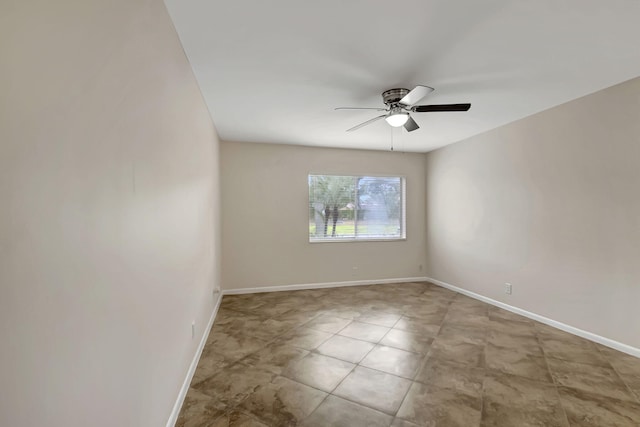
x=397 y=119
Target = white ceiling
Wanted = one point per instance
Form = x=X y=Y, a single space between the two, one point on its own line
x=273 y=71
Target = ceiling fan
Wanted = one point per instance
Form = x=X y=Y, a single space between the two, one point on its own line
x=400 y=102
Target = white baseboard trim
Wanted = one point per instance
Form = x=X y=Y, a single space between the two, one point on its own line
x=562 y=326
x=320 y=285
x=173 y=417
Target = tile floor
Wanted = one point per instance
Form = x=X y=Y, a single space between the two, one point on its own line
x=409 y=354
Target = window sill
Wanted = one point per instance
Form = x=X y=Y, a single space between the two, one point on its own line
x=393 y=239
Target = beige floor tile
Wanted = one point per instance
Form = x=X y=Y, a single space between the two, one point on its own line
x=627 y=367
x=399 y=422
x=474 y=320
x=393 y=361
x=573 y=350
x=226 y=317
x=432 y=298
x=529 y=345
x=375 y=389
x=267 y=351
x=463 y=333
x=406 y=340
x=275 y=309
x=345 y=348
x=428 y=318
x=450 y=375
x=634 y=386
x=268 y=329
x=313 y=294
x=233 y=384
x=283 y=402
x=199 y=409
x=550 y=333
x=495 y=414
x=385 y=306
x=468 y=307
x=337 y=412
x=321 y=372
x=364 y=331
x=316 y=306
x=516 y=401
x=412 y=324
x=456 y=351
x=223 y=349
x=515 y=362
x=426 y=306
x=275 y=357
x=331 y=324
x=458 y=309
x=236 y=418
x=380 y=319
x=589 y=378
x=209 y=365
x=624 y=363
x=297 y=317
x=585 y=409
x=511 y=327
x=242 y=303
x=428 y=405
x=344 y=313
x=304 y=337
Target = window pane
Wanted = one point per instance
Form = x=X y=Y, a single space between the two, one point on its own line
x=379 y=207
x=331 y=206
x=355 y=207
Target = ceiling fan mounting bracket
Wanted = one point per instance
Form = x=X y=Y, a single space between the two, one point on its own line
x=392 y=96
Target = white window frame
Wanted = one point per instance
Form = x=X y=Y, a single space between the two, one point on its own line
x=356 y=239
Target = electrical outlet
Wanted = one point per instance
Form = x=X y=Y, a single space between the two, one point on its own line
x=420 y=267
x=508 y=288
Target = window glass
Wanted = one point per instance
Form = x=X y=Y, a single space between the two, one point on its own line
x=356 y=208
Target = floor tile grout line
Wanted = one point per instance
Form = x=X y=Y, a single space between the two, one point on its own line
x=365 y=405
x=621 y=377
x=398 y=348
x=553 y=378
x=267 y=343
x=346 y=376
x=395 y=414
x=375 y=344
x=319 y=405
x=382 y=372
x=390 y=373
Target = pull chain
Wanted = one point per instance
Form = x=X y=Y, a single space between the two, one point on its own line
x=392 y=135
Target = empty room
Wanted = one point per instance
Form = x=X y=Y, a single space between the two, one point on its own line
x=338 y=213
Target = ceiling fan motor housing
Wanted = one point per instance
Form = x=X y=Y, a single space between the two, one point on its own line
x=393 y=96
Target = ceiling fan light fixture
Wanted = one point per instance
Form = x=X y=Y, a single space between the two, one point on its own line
x=397 y=119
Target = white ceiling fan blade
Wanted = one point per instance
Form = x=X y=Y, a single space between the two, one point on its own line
x=415 y=95
x=366 y=123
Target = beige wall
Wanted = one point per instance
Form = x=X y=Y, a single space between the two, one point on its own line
x=108 y=213
x=265 y=239
x=551 y=204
